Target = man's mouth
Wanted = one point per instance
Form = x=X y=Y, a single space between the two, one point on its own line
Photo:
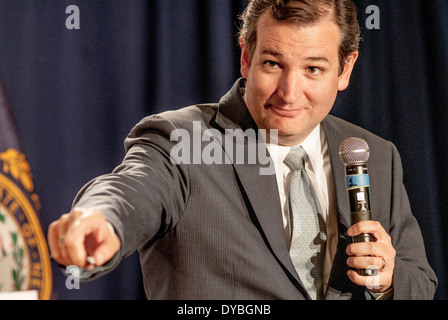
x=285 y=112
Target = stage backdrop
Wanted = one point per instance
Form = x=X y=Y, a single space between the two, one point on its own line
x=77 y=87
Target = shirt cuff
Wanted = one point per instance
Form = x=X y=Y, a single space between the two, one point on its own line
x=386 y=295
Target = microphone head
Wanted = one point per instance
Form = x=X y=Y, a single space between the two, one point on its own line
x=354 y=151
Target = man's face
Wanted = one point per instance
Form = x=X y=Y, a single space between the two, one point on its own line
x=293 y=78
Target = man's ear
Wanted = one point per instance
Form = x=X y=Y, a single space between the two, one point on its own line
x=344 y=78
x=244 y=59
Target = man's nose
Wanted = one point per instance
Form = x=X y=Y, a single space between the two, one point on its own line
x=289 y=87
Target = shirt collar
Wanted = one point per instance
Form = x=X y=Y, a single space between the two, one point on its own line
x=312 y=145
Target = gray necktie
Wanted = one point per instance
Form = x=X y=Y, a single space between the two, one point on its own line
x=308 y=239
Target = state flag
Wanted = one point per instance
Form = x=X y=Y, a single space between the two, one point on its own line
x=24 y=257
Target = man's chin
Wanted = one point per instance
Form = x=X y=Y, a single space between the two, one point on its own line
x=290 y=139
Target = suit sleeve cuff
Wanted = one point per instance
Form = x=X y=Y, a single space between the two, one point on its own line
x=386 y=295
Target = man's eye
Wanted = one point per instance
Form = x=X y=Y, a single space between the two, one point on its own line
x=314 y=70
x=271 y=64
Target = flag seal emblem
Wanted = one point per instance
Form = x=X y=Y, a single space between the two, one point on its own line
x=23 y=249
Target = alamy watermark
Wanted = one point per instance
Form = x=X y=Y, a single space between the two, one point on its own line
x=209 y=147
x=73 y=21
x=72 y=281
x=373 y=280
x=373 y=20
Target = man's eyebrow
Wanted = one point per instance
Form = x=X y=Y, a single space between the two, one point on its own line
x=311 y=58
x=271 y=52
x=318 y=59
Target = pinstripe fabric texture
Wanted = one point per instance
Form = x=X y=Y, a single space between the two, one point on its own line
x=308 y=228
x=215 y=232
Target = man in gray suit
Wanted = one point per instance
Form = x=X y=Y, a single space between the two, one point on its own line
x=209 y=214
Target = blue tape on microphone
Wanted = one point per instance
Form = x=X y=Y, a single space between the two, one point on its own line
x=357 y=181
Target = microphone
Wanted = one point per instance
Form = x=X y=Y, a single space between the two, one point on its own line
x=354 y=153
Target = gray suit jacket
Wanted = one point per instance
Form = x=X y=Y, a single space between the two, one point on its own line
x=215 y=231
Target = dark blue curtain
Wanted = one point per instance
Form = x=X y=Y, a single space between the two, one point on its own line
x=75 y=94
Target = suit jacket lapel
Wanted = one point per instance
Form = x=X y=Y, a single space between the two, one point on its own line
x=339 y=286
x=334 y=138
x=260 y=188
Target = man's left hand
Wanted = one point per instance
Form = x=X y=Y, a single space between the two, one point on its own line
x=379 y=254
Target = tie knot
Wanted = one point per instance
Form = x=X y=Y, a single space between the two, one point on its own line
x=296 y=158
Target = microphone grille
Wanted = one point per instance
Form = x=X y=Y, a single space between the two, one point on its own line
x=354 y=151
